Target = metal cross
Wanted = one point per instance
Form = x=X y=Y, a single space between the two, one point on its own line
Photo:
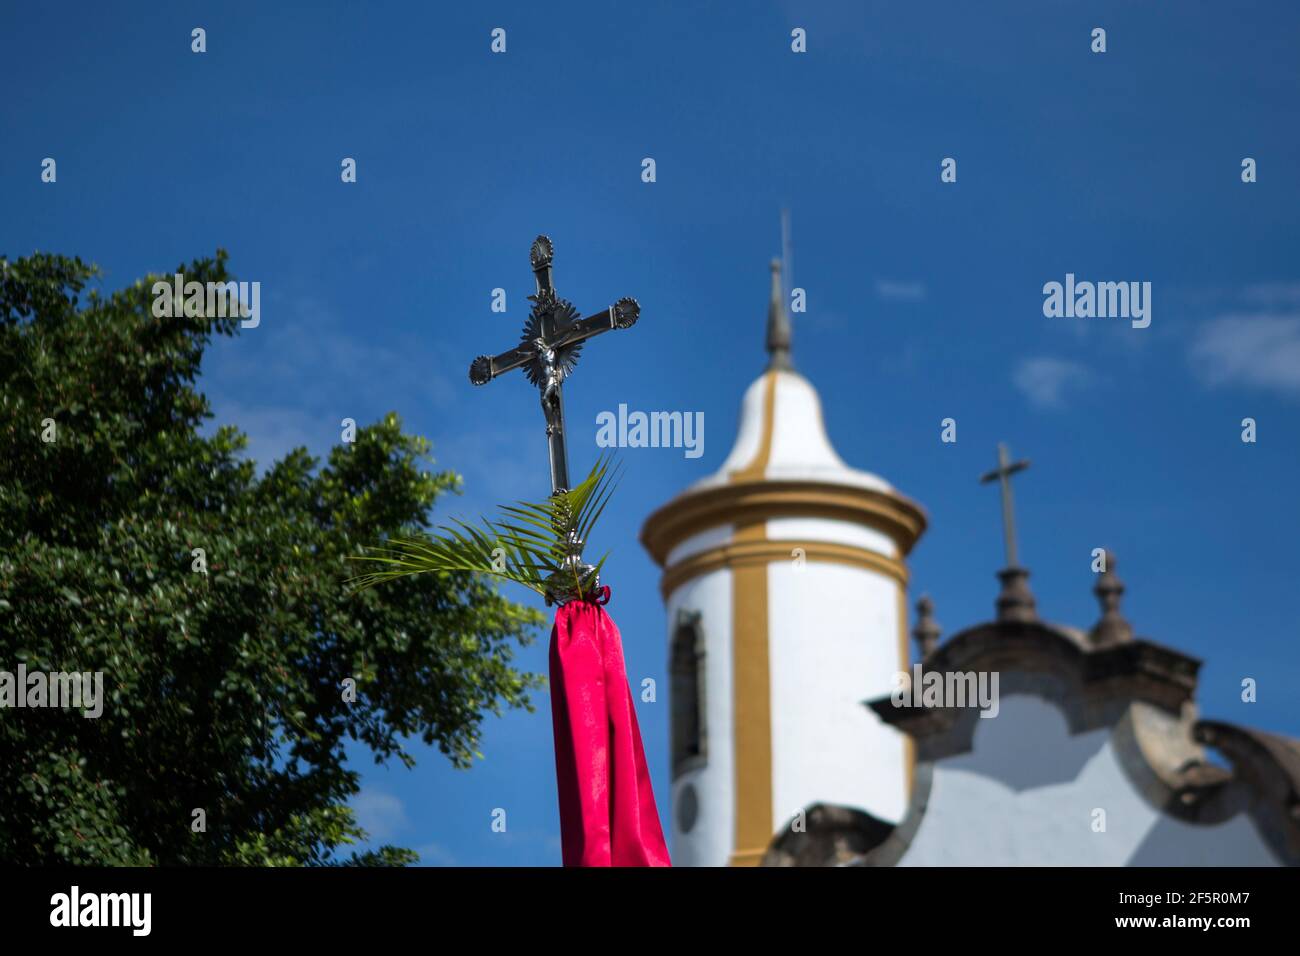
x=549 y=350
x=1003 y=472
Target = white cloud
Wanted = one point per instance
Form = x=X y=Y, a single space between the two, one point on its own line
x=1272 y=293
x=380 y=814
x=1258 y=350
x=323 y=360
x=896 y=291
x=274 y=431
x=293 y=380
x=435 y=854
x=1046 y=381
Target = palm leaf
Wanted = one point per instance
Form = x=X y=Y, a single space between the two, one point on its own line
x=526 y=545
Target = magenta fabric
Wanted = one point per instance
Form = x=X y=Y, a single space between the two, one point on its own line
x=607 y=808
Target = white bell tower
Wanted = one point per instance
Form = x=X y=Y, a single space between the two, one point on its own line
x=786 y=588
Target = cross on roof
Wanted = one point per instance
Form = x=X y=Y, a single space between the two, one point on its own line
x=1002 y=473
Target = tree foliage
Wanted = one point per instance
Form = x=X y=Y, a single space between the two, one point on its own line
x=225 y=690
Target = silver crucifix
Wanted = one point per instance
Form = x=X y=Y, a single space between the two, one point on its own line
x=547 y=352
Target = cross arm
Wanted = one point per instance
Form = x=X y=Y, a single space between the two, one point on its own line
x=1007 y=470
x=485 y=368
x=621 y=315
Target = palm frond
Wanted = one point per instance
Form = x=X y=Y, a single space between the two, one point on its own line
x=527 y=544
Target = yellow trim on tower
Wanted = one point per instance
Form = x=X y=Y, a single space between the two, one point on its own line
x=751 y=679
x=752 y=704
x=909 y=745
x=741 y=502
x=755 y=469
x=748 y=551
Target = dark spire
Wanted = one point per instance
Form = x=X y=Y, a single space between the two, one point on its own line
x=778 y=325
x=927 y=629
x=1112 y=628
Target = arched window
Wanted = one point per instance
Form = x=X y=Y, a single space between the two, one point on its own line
x=686 y=669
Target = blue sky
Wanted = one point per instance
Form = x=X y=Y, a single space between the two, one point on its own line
x=924 y=298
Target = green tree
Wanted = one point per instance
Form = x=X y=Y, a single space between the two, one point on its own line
x=224 y=691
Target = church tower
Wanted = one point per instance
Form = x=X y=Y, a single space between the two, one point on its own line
x=785 y=586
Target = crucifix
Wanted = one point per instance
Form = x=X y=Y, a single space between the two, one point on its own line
x=549 y=350
x=1005 y=469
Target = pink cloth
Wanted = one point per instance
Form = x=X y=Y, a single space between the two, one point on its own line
x=607 y=809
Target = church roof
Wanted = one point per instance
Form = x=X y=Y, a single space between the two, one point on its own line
x=782 y=437
x=1104 y=677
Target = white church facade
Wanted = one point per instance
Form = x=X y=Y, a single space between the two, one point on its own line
x=785 y=583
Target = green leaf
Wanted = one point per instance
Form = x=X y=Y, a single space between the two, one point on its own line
x=532 y=539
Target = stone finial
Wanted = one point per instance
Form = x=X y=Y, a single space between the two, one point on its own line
x=1016 y=602
x=778 y=324
x=927 y=629
x=1113 y=628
